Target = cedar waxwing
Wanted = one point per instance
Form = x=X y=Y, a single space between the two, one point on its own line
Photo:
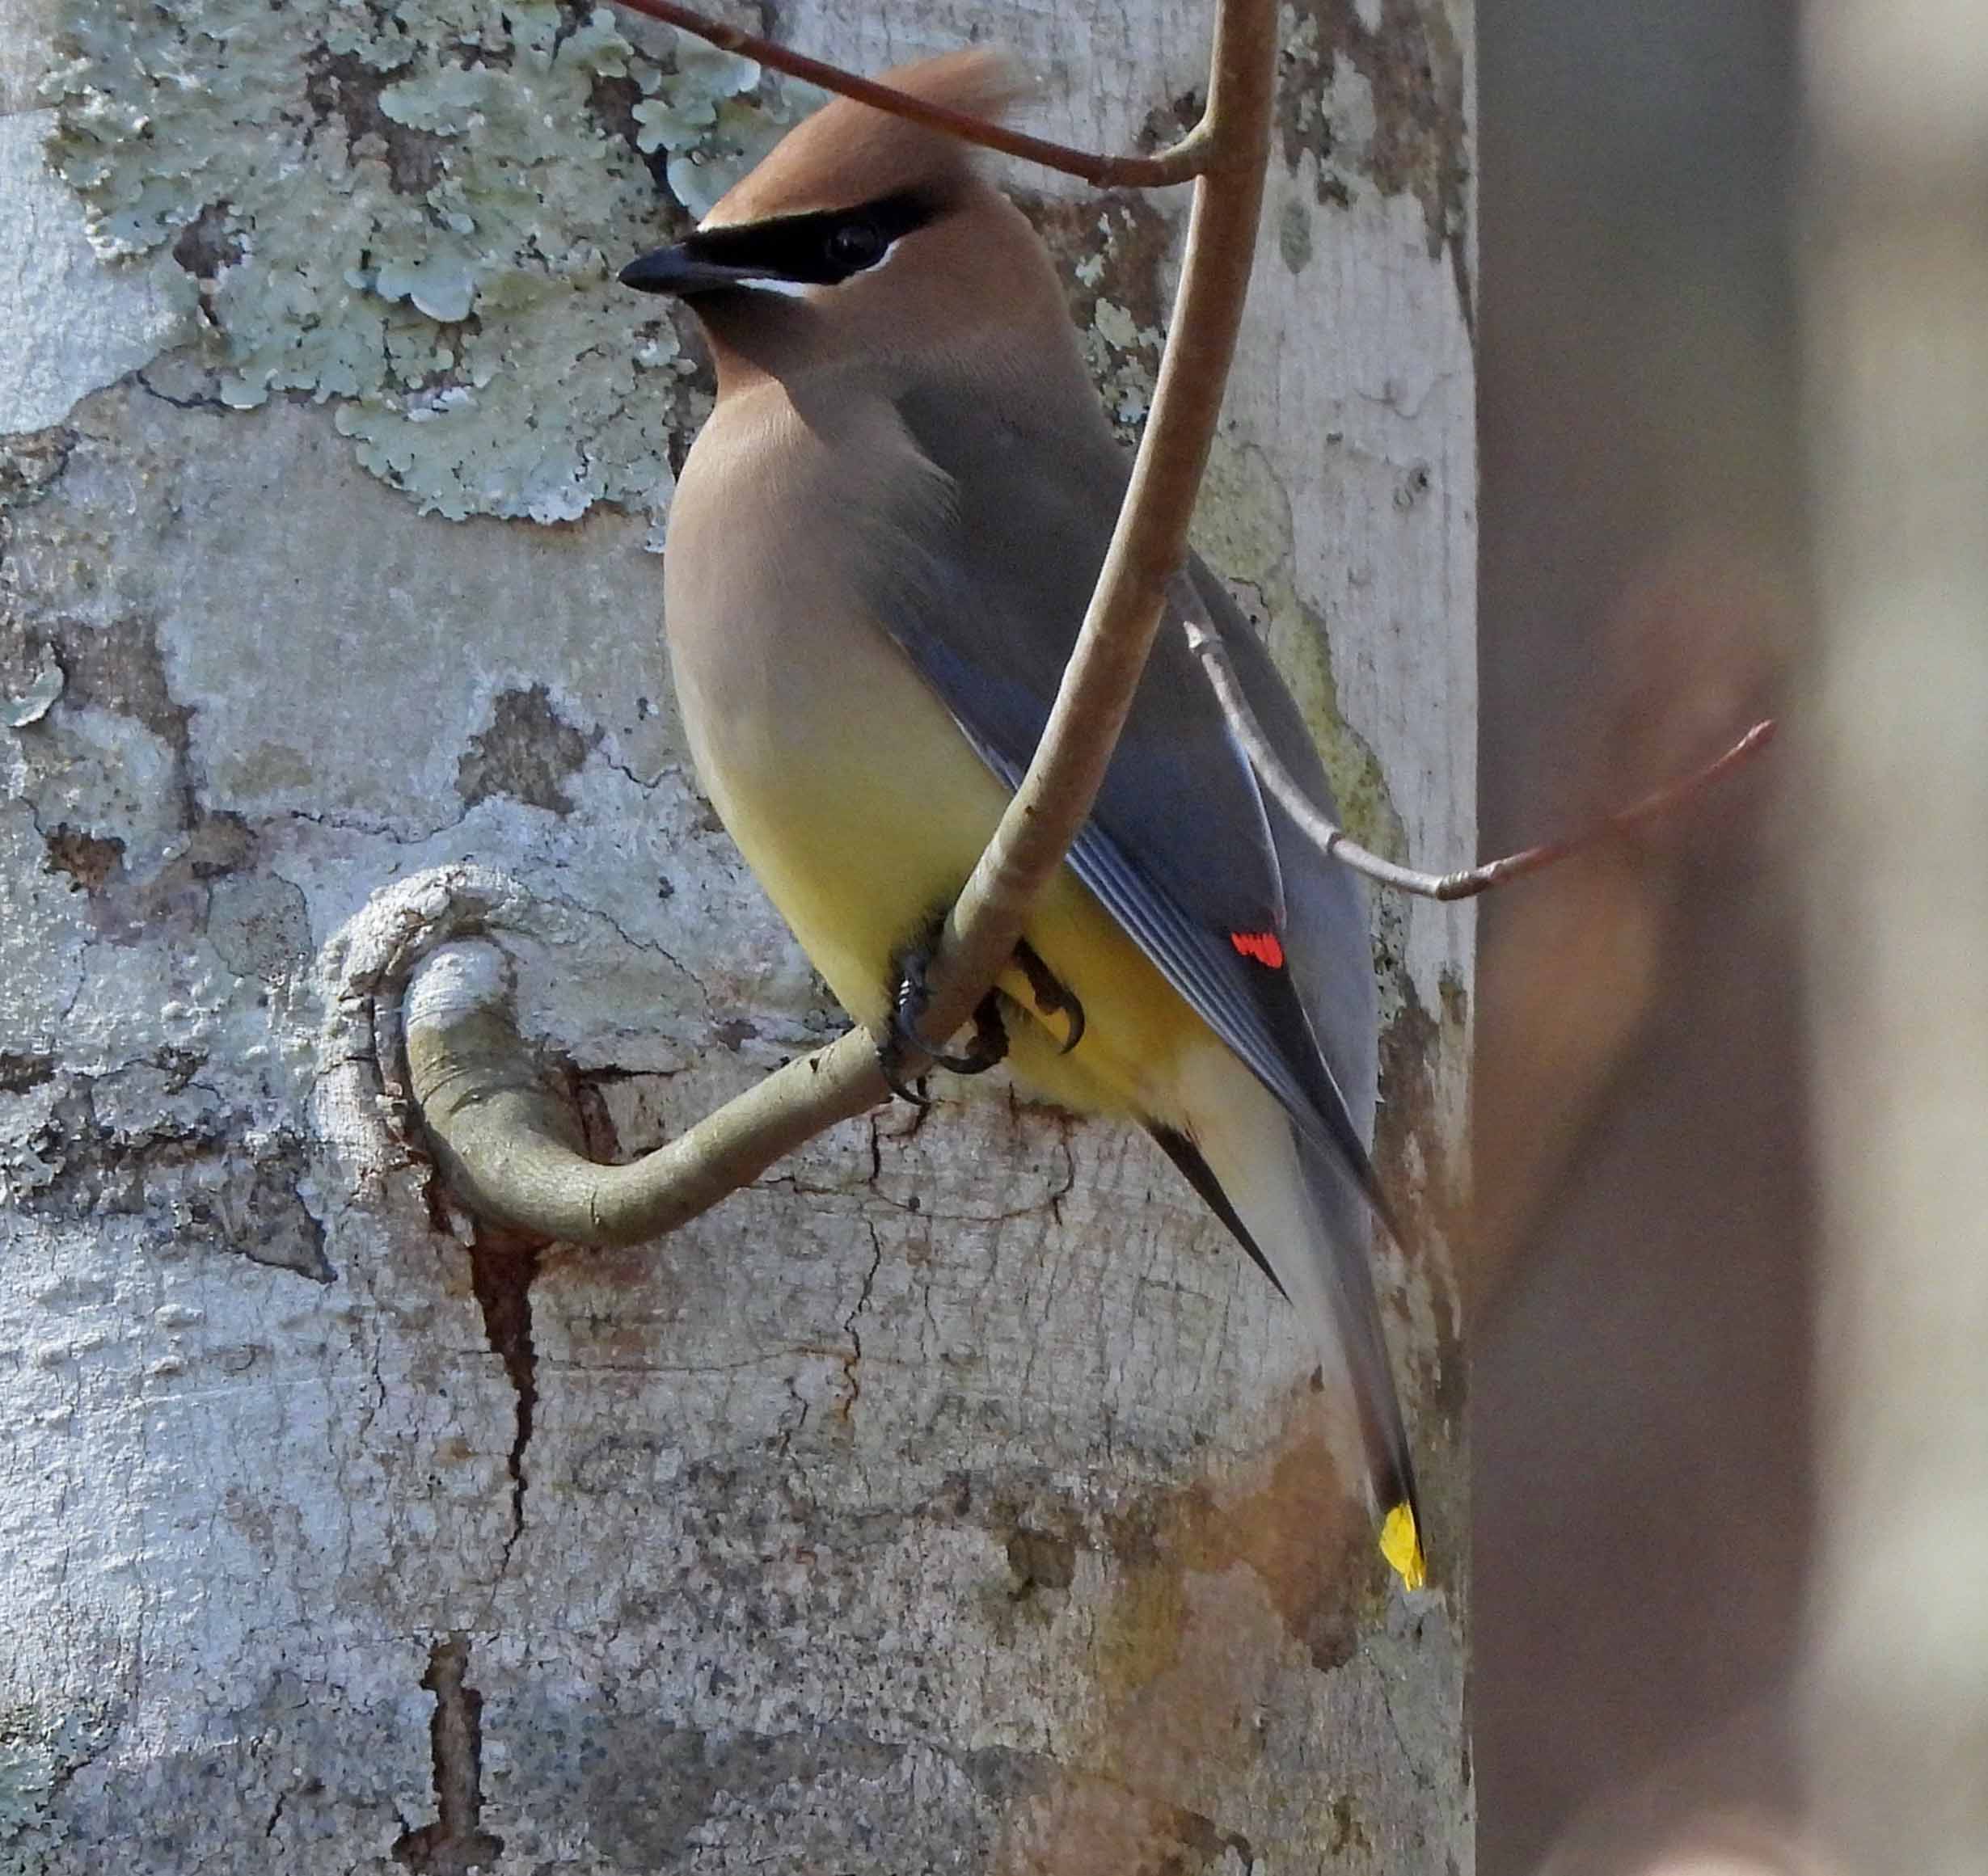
x=880 y=550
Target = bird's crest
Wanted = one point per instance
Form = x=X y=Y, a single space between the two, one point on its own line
x=847 y=154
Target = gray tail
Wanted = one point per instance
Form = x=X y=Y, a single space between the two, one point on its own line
x=1343 y=1220
x=1346 y=1219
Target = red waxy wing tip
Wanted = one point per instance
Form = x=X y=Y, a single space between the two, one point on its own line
x=1262 y=946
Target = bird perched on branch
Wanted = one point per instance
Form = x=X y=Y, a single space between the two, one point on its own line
x=881 y=548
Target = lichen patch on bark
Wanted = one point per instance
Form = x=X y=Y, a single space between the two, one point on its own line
x=1417 y=140
x=1116 y=251
x=415 y=213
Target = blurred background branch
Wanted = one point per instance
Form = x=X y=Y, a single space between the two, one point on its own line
x=1731 y=1406
x=1896 y=319
x=1641 y=1262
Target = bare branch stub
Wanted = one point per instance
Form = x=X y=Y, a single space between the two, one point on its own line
x=1180 y=162
x=1468 y=881
x=1626 y=820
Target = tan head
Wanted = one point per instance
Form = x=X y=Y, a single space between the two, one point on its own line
x=864 y=235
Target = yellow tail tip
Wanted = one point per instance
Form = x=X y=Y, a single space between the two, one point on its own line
x=1402 y=1545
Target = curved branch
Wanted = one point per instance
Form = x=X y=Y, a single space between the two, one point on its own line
x=1466 y=883
x=513 y=1149
x=1178 y=162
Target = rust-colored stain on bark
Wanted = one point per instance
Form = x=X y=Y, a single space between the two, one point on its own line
x=1216 y=1586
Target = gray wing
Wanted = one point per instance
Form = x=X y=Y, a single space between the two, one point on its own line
x=1180 y=848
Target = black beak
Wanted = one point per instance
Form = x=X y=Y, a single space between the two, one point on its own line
x=680 y=271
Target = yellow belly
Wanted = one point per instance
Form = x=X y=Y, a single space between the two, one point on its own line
x=862 y=816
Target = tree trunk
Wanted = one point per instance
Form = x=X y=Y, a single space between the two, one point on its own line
x=955 y=1498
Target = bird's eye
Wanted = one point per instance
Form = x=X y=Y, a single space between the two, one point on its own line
x=856 y=244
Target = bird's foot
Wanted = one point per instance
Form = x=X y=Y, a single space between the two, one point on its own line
x=905 y=1041
x=1051 y=995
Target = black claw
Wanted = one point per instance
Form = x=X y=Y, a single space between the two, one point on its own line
x=990 y=1035
x=890 y=1054
x=1051 y=994
x=907 y=1008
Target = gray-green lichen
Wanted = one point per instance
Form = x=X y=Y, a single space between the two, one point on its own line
x=1115 y=250
x=37 y=1757
x=1377 y=92
x=416 y=209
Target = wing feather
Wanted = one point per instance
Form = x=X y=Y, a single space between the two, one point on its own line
x=986 y=598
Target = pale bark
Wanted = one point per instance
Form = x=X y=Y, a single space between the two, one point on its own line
x=953 y=1498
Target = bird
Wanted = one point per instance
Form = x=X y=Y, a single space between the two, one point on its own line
x=879 y=550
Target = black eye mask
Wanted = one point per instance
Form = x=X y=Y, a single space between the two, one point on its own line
x=822 y=249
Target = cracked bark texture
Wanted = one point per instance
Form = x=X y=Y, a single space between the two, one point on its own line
x=957 y=1498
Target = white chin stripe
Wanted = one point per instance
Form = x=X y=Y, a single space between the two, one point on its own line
x=813 y=289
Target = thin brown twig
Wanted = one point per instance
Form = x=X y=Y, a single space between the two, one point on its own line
x=1469 y=881
x=1178 y=162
